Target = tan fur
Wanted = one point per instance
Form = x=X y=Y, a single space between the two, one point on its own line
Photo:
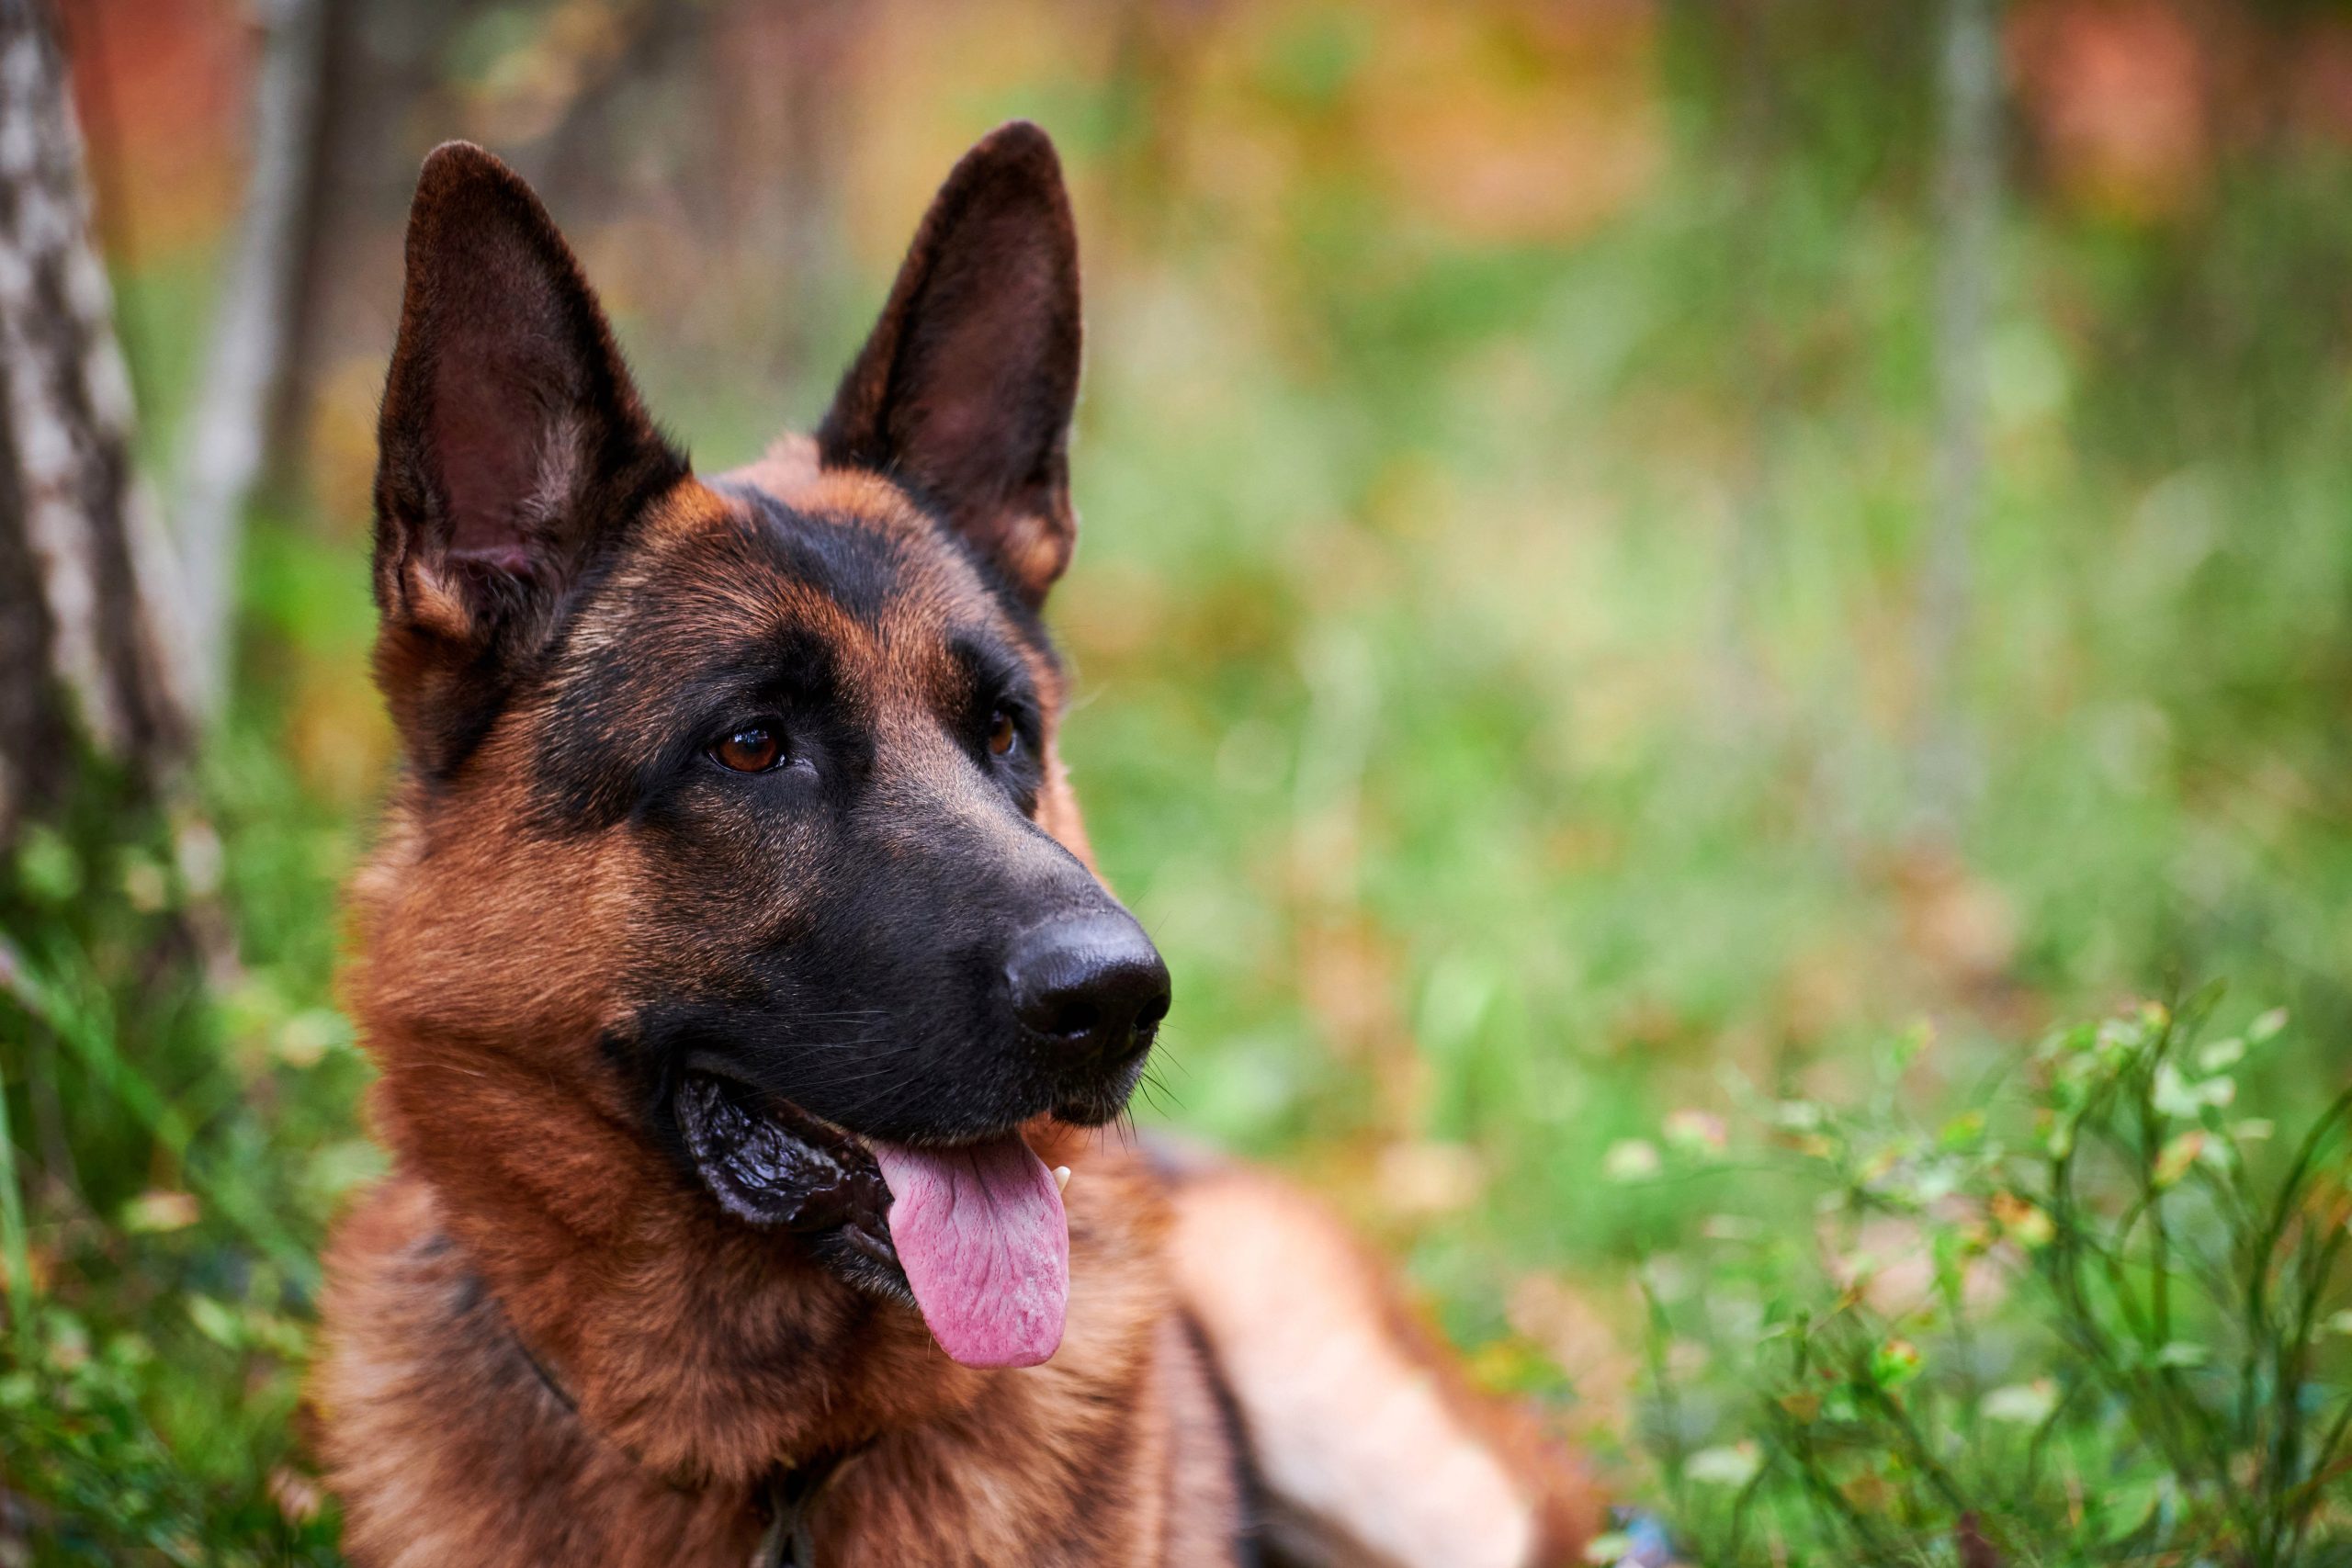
x=1372 y=1448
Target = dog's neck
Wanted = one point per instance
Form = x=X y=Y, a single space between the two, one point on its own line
x=784 y=1500
x=711 y=1352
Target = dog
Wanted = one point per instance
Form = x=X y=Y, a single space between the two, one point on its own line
x=747 y=1009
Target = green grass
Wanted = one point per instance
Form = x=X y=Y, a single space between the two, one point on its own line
x=2092 y=1320
x=1500 y=699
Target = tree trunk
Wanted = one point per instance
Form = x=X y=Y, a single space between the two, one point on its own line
x=1968 y=212
x=221 y=459
x=88 y=656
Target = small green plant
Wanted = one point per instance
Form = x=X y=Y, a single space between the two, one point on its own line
x=2097 y=1322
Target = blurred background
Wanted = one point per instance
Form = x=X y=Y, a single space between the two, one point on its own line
x=1633 y=551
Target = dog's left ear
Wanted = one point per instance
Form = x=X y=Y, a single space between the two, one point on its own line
x=964 y=391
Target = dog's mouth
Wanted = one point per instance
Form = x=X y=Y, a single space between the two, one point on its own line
x=974 y=1232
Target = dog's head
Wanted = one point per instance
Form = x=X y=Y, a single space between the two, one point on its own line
x=732 y=806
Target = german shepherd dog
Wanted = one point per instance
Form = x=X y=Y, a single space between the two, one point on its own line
x=744 y=997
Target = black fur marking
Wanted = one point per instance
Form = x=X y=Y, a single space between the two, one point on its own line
x=623 y=734
x=859 y=569
x=1249 y=1486
x=623 y=723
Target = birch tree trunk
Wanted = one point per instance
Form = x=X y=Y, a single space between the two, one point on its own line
x=89 y=655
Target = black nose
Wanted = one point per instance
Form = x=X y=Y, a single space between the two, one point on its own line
x=1091 y=984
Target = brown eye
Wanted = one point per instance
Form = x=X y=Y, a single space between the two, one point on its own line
x=1002 y=734
x=750 y=749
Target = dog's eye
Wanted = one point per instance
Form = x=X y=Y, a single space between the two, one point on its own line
x=1003 y=734
x=754 y=749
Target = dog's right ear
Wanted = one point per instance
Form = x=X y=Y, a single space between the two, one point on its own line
x=512 y=453
x=965 y=390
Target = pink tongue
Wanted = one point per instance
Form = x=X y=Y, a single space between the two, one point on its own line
x=980 y=1233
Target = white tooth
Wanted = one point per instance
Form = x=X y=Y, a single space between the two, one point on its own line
x=1061 y=1179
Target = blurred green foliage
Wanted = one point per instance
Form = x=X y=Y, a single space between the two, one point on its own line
x=1500 y=698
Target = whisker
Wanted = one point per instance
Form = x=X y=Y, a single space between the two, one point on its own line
x=1154 y=1087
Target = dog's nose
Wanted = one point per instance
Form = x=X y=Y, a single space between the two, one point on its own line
x=1091 y=984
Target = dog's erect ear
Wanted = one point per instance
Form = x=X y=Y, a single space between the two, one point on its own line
x=512 y=451
x=964 y=392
